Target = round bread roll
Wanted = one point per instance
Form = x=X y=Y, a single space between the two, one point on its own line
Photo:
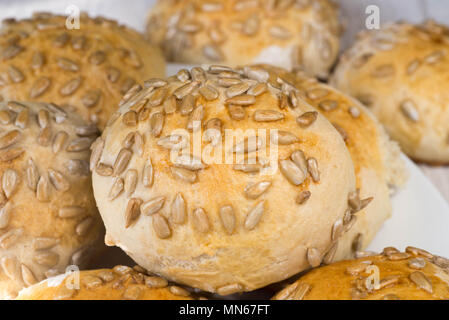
x=214 y=222
x=48 y=217
x=400 y=73
x=300 y=33
x=86 y=69
x=378 y=167
x=392 y=275
x=118 y=283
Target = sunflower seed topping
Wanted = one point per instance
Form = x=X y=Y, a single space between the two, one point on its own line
x=116 y=189
x=59 y=141
x=152 y=206
x=200 y=220
x=421 y=281
x=417 y=263
x=313 y=257
x=307 y=119
x=241 y=100
x=39 y=87
x=148 y=174
x=292 y=172
x=268 y=115
x=312 y=167
x=46 y=258
x=409 y=110
x=254 y=215
x=183 y=174
x=132 y=211
x=178 y=209
x=254 y=191
x=161 y=227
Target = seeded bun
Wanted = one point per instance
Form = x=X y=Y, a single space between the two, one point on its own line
x=86 y=69
x=300 y=33
x=392 y=275
x=48 y=217
x=378 y=166
x=400 y=73
x=118 y=283
x=221 y=227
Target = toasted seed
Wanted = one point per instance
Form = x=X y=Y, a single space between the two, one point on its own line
x=254 y=191
x=383 y=71
x=78 y=144
x=152 y=206
x=91 y=98
x=130 y=182
x=286 y=294
x=5 y=215
x=250 y=144
x=421 y=281
x=236 y=112
x=78 y=42
x=267 y=115
x=83 y=227
x=409 y=110
x=58 y=180
x=303 y=197
x=227 y=217
x=22 y=119
x=200 y=220
x=161 y=227
x=279 y=32
x=365 y=202
x=247 y=168
x=212 y=52
x=71 y=212
x=228 y=82
x=5 y=117
x=398 y=256
x=39 y=87
x=328 y=105
x=208 y=92
x=132 y=211
x=106 y=276
x=46 y=258
x=64 y=292
x=195 y=118
x=154 y=83
x=312 y=167
x=390 y=250
x=170 y=105
x=434 y=57
x=417 y=263
x=254 y=215
x=27 y=276
x=354 y=112
x=11 y=51
x=116 y=189
x=59 y=141
x=313 y=257
x=419 y=252
x=97 y=57
x=70 y=86
x=441 y=262
x=357 y=268
x=122 y=161
x=42 y=243
x=104 y=169
x=10 y=267
x=301 y=291
x=337 y=230
x=133 y=292
x=155 y=282
x=44 y=137
x=15 y=74
x=413 y=66
x=257 y=89
x=178 y=209
x=292 y=172
x=10 y=238
x=130 y=118
x=157 y=97
x=330 y=254
x=186 y=89
x=237 y=89
x=213 y=130
x=148 y=174
x=43 y=189
x=92 y=282
x=307 y=119
x=299 y=159
x=189 y=162
x=10 y=180
x=285 y=138
x=178 y=291
x=86 y=131
x=317 y=93
x=61 y=40
x=241 y=100
x=67 y=64
x=184 y=174
x=10 y=154
x=38 y=60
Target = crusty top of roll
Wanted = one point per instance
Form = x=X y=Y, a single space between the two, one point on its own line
x=86 y=69
x=236 y=32
x=400 y=72
x=118 y=283
x=393 y=275
x=222 y=227
x=48 y=217
x=376 y=158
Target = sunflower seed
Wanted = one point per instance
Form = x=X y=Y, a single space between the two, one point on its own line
x=5 y=117
x=241 y=100
x=71 y=212
x=313 y=257
x=61 y=40
x=267 y=115
x=92 y=282
x=228 y=82
x=79 y=144
x=413 y=66
x=236 y=112
x=328 y=105
x=195 y=118
x=390 y=250
x=10 y=154
x=15 y=74
x=132 y=211
x=70 y=86
x=11 y=51
x=398 y=256
x=354 y=112
x=148 y=174
x=257 y=89
x=317 y=93
x=299 y=159
x=441 y=262
x=178 y=291
x=178 y=209
x=211 y=6
x=130 y=182
x=91 y=98
x=301 y=291
x=152 y=206
x=285 y=138
x=383 y=71
x=10 y=238
x=157 y=97
x=312 y=167
x=330 y=254
x=213 y=131
x=421 y=281
x=130 y=118
x=10 y=267
x=184 y=174
x=254 y=215
x=39 y=87
x=44 y=137
x=419 y=252
x=46 y=258
x=38 y=60
x=27 y=276
x=59 y=141
x=208 y=92
x=113 y=74
x=279 y=32
x=116 y=189
x=170 y=105
x=9 y=138
x=250 y=144
x=303 y=197
x=247 y=168
x=200 y=220
x=357 y=268
x=155 y=282
x=22 y=119
x=5 y=215
x=198 y=74
x=97 y=57
x=292 y=172
x=97 y=150
x=409 y=110
x=212 y=53
x=186 y=89
x=434 y=57
x=106 y=276
x=365 y=202
x=122 y=161
x=254 y=191
x=154 y=83
x=77 y=167
x=83 y=227
x=42 y=243
x=237 y=90
x=307 y=119
x=337 y=230
x=187 y=104
x=417 y=263
x=58 y=180
x=161 y=226
x=43 y=189
x=67 y=64
x=189 y=162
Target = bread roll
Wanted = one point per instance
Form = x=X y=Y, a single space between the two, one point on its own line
x=221 y=224
x=400 y=73
x=48 y=217
x=237 y=32
x=393 y=275
x=86 y=69
x=118 y=283
x=378 y=166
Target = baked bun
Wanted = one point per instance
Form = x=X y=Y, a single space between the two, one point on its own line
x=118 y=283
x=86 y=69
x=378 y=166
x=400 y=73
x=48 y=217
x=393 y=275
x=300 y=33
x=216 y=224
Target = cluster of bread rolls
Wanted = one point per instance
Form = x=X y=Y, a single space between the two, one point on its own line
x=96 y=143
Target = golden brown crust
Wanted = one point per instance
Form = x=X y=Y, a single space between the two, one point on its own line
x=238 y=32
x=400 y=73
x=118 y=283
x=220 y=227
x=411 y=275
x=377 y=164
x=48 y=216
x=86 y=70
